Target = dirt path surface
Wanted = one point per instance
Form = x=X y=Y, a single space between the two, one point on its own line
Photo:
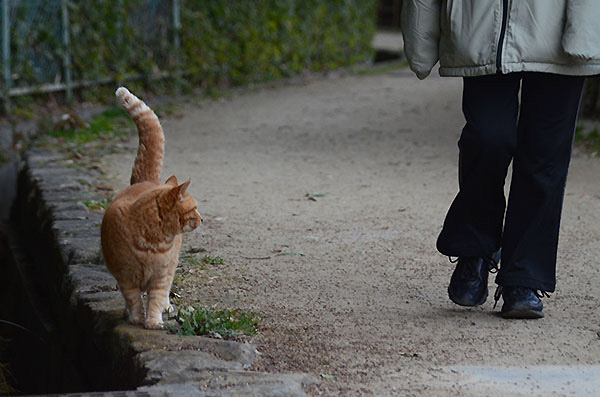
x=347 y=279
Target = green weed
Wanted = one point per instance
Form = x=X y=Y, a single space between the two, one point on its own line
x=96 y=205
x=226 y=324
x=190 y=259
x=83 y=182
x=5 y=388
x=177 y=279
x=212 y=260
x=113 y=122
x=5 y=373
x=195 y=250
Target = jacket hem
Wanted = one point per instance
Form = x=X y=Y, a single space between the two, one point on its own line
x=570 y=70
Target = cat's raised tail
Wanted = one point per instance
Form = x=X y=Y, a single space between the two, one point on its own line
x=151 y=148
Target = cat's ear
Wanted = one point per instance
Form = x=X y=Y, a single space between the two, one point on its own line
x=183 y=189
x=178 y=193
x=172 y=181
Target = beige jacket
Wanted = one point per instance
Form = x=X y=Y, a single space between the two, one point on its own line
x=479 y=37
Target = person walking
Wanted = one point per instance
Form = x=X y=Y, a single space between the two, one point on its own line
x=542 y=50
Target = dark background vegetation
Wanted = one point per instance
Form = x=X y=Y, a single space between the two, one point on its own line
x=590 y=106
x=222 y=43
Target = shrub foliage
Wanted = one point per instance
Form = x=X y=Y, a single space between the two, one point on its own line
x=222 y=42
x=591 y=98
x=238 y=42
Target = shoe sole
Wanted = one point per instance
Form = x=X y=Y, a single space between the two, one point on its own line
x=522 y=314
x=467 y=304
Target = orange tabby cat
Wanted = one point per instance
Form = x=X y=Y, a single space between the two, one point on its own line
x=141 y=229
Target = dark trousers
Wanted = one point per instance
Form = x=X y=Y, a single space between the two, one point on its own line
x=537 y=137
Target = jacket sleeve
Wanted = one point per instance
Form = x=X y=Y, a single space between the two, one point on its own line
x=420 y=24
x=581 y=37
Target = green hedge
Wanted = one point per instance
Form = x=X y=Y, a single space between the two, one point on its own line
x=590 y=105
x=239 y=42
x=223 y=42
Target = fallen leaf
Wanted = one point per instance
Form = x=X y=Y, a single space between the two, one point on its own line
x=291 y=254
x=258 y=258
x=313 y=196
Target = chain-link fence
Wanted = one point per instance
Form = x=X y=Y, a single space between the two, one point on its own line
x=60 y=45
x=79 y=45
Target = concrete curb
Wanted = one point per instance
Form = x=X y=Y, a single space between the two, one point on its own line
x=49 y=208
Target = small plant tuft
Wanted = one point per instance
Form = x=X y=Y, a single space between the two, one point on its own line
x=96 y=205
x=195 y=250
x=83 y=182
x=212 y=260
x=5 y=388
x=225 y=324
x=113 y=122
x=190 y=259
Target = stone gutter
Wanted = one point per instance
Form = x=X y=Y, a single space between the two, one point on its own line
x=63 y=241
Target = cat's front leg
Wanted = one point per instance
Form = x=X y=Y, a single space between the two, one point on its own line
x=156 y=302
x=135 y=305
x=169 y=282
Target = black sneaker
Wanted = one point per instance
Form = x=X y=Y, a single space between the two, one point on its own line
x=469 y=282
x=520 y=302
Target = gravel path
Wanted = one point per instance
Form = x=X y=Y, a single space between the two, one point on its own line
x=325 y=199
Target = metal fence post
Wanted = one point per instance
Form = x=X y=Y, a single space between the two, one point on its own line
x=6 y=54
x=176 y=44
x=119 y=57
x=67 y=51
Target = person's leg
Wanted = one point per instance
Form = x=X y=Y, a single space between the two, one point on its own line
x=473 y=225
x=545 y=134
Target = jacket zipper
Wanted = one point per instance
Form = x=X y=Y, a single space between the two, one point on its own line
x=502 y=34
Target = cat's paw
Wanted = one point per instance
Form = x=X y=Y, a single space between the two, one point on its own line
x=153 y=324
x=135 y=318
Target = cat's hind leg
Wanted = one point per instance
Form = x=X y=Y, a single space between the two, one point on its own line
x=135 y=305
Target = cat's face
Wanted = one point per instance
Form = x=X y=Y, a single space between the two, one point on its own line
x=183 y=206
x=189 y=217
